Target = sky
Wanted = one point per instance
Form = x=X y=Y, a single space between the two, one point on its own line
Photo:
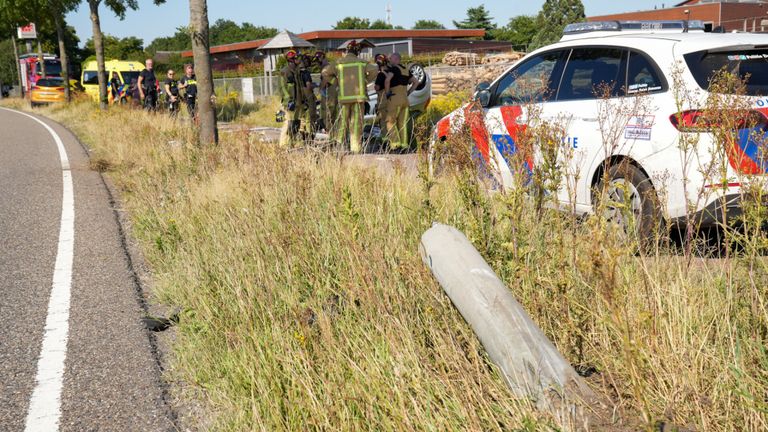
x=150 y=21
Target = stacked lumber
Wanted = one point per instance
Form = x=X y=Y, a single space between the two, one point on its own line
x=464 y=79
x=510 y=57
x=455 y=58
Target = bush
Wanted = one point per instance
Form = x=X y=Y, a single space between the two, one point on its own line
x=439 y=107
x=229 y=107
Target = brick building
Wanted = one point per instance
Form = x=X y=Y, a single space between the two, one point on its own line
x=738 y=15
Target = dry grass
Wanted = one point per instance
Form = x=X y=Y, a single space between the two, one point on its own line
x=306 y=305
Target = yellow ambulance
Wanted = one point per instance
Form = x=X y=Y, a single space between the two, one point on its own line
x=120 y=75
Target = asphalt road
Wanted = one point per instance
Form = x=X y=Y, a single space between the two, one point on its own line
x=111 y=376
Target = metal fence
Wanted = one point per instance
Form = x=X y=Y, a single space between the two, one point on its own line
x=252 y=89
x=249 y=89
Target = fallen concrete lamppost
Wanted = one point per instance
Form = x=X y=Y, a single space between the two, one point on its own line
x=529 y=362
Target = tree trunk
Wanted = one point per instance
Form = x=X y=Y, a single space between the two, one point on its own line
x=18 y=65
x=58 y=18
x=198 y=16
x=99 y=48
x=40 y=58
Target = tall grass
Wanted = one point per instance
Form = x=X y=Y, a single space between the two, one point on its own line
x=306 y=305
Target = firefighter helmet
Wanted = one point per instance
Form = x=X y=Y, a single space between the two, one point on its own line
x=354 y=47
x=291 y=55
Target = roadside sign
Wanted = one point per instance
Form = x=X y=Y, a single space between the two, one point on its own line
x=28 y=31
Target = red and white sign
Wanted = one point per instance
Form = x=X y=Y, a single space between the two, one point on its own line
x=28 y=31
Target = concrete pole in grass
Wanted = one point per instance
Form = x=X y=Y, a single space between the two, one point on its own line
x=529 y=362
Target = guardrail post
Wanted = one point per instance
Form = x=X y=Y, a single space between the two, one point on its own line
x=529 y=362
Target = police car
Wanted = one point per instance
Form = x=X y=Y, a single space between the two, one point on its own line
x=624 y=94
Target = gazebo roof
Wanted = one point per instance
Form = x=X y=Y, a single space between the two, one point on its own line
x=286 y=40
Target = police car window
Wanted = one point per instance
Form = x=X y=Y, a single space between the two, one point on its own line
x=749 y=65
x=530 y=82
x=593 y=73
x=642 y=75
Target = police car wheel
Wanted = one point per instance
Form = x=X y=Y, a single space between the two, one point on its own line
x=625 y=198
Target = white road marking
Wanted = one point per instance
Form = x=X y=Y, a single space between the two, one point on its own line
x=45 y=404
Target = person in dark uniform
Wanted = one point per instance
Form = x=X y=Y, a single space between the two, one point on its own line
x=310 y=118
x=148 y=86
x=188 y=83
x=171 y=88
x=381 y=101
x=115 y=87
x=396 y=90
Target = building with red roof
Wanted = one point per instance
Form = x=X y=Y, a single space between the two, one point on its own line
x=727 y=15
x=406 y=42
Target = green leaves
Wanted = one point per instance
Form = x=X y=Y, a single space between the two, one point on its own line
x=428 y=25
x=477 y=18
x=520 y=31
x=352 y=23
x=553 y=17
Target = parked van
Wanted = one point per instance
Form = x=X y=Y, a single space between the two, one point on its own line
x=119 y=72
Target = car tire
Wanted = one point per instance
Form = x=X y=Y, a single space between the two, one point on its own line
x=418 y=71
x=625 y=197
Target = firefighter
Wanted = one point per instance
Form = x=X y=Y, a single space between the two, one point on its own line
x=381 y=101
x=398 y=110
x=329 y=91
x=291 y=99
x=309 y=117
x=353 y=74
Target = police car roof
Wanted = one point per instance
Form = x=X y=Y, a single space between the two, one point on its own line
x=684 y=42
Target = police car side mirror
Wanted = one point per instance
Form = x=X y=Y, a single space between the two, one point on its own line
x=483 y=94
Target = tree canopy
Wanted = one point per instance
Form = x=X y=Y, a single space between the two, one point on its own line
x=127 y=48
x=425 y=24
x=221 y=32
x=552 y=19
x=226 y=31
x=478 y=18
x=380 y=24
x=353 y=23
x=520 y=31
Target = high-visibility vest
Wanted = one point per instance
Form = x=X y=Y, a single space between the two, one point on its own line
x=352 y=82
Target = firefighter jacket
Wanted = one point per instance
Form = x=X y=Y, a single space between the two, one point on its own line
x=354 y=74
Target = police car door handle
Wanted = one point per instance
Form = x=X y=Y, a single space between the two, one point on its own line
x=589 y=119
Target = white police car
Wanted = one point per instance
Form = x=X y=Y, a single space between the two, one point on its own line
x=624 y=92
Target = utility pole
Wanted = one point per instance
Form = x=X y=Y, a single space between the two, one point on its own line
x=389 y=14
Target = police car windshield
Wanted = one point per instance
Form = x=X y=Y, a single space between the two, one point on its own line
x=751 y=66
